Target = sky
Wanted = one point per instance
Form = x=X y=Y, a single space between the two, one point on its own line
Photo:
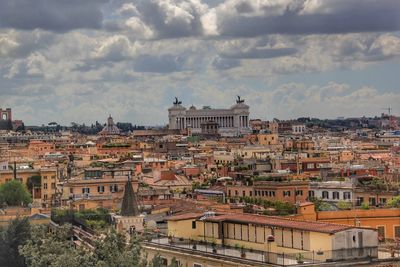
x=79 y=61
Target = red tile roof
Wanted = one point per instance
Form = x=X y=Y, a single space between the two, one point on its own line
x=280 y=222
x=185 y=216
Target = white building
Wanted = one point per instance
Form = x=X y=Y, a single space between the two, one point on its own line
x=298 y=128
x=332 y=191
x=232 y=122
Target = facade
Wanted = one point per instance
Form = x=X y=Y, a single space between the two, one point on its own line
x=231 y=122
x=332 y=191
x=99 y=188
x=279 y=239
x=292 y=192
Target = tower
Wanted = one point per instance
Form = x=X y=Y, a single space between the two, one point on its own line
x=130 y=220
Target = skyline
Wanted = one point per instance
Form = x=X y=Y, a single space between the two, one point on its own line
x=287 y=59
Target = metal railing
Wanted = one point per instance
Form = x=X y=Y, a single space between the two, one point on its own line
x=259 y=256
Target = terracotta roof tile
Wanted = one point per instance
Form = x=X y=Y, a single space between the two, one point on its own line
x=273 y=221
x=185 y=216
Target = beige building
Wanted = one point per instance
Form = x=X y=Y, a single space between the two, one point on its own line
x=267 y=139
x=268 y=239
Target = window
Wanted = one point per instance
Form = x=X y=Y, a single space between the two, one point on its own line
x=325 y=194
x=251 y=193
x=310 y=166
x=100 y=189
x=244 y=193
x=193 y=224
x=113 y=188
x=45 y=186
x=382 y=200
x=335 y=195
x=286 y=193
x=229 y=192
x=45 y=177
x=53 y=185
x=236 y=193
x=372 y=201
x=311 y=193
x=381 y=233
x=397 y=231
x=263 y=193
x=299 y=192
x=359 y=201
x=346 y=195
x=273 y=193
x=53 y=177
x=196 y=265
x=85 y=190
x=71 y=190
x=45 y=196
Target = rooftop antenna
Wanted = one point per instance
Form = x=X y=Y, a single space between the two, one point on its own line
x=389 y=109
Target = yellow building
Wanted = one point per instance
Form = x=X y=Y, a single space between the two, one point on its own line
x=49 y=178
x=269 y=239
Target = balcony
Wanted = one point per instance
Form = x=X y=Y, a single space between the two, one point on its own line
x=258 y=257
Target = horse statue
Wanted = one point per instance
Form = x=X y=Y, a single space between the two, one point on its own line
x=177 y=102
x=239 y=100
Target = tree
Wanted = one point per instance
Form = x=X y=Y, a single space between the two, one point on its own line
x=344 y=205
x=15 y=235
x=114 y=250
x=14 y=193
x=54 y=249
x=394 y=202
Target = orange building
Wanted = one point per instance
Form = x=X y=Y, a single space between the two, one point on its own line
x=287 y=191
x=40 y=148
x=386 y=221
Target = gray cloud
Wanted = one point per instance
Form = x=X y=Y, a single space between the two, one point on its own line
x=257 y=53
x=225 y=63
x=246 y=18
x=160 y=64
x=53 y=15
x=171 y=18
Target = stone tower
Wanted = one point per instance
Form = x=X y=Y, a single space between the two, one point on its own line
x=130 y=219
x=129 y=205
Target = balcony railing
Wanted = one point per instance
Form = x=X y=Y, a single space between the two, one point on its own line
x=259 y=256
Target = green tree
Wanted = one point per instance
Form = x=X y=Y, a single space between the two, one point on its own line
x=365 y=206
x=394 y=202
x=344 y=205
x=15 y=235
x=54 y=249
x=114 y=250
x=14 y=193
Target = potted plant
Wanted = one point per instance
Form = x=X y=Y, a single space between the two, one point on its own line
x=214 y=247
x=320 y=252
x=170 y=239
x=300 y=258
x=243 y=252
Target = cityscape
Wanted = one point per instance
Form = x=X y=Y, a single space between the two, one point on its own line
x=199 y=133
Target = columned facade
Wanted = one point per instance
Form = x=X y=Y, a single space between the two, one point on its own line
x=231 y=122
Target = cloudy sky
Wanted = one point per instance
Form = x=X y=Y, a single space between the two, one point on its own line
x=74 y=60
